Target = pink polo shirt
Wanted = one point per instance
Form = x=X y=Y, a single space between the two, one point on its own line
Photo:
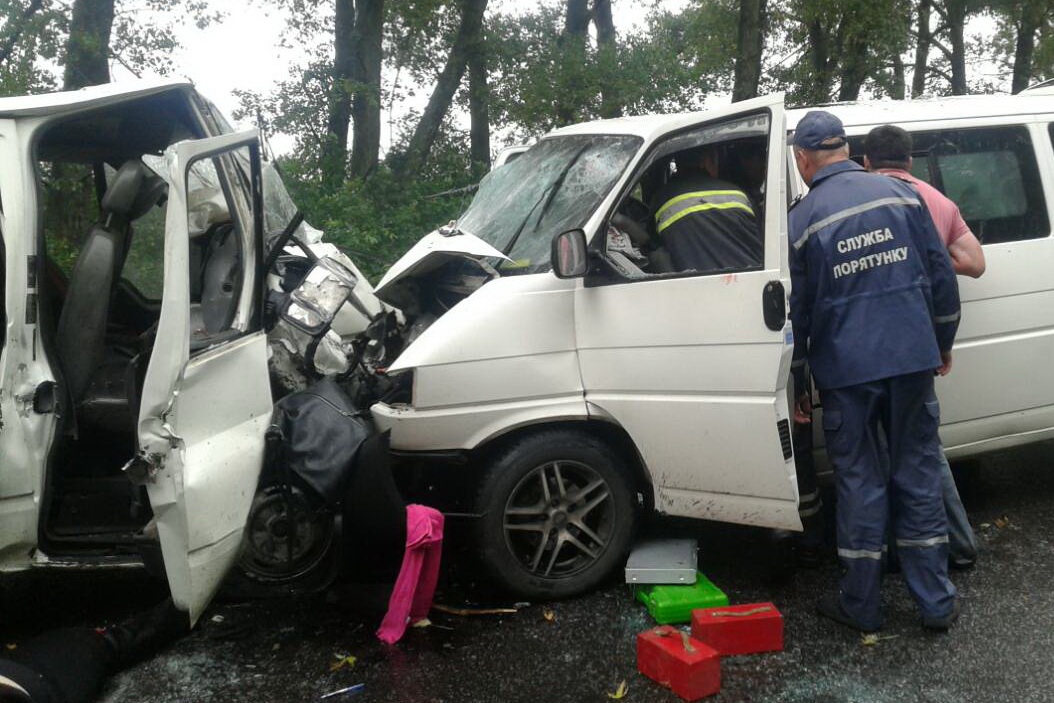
x=950 y=224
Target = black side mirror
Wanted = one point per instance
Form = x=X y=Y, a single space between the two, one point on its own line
x=569 y=257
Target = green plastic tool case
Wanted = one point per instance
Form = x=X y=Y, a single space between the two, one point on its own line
x=674 y=603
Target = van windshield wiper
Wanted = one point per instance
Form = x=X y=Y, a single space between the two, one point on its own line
x=549 y=191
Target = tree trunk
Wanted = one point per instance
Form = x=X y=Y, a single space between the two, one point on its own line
x=478 y=105
x=956 y=33
x=335 y=149
x=820 y=57
x=610 y=102
x=749 y=48
x=424 y=135
x=88 y=45
x=1032 y=15
x=366 y=96
x=922 y=50
x=898 y=90
x=573 y=43
x=855 y=68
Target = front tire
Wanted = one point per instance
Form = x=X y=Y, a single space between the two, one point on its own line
x=558 y=514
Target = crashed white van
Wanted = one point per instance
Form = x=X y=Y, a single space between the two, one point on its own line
x=134 y=384
x=586 y=380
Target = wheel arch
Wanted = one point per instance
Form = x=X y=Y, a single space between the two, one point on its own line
x=610 y=433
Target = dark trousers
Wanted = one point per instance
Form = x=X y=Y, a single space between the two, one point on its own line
x=882 y=440
x=61 y=666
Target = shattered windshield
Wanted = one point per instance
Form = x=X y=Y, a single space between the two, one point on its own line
x=554 y=187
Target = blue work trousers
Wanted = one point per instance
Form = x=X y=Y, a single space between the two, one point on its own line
x=882 y=440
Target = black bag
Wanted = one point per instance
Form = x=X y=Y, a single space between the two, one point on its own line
x=317 y=433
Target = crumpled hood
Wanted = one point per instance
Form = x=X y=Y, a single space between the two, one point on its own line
x=431 y=252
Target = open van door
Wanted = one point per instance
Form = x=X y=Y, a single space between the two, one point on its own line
x=695 y=367
x=206 y=400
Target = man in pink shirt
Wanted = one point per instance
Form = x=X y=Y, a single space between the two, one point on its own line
x=887 y=150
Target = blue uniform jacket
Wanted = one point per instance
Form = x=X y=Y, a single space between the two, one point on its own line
x=873 y=290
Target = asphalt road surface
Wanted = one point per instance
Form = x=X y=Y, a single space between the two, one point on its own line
x=1002 y=649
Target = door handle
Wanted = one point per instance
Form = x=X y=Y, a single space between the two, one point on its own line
x=774 y=305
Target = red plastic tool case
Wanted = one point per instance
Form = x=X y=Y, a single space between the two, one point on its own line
x=688 y=667
x=739 y=629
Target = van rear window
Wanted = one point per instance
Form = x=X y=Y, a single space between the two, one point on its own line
x=991 y=173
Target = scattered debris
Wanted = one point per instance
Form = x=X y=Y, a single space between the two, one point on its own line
x=549 y=614
x=343 y=660
x=663 y=561
x=349 y=691
x=1002 y=522
x=275 y=647
x=521 y=604
x=620 y=692
x=873 y=639
x=450 y=610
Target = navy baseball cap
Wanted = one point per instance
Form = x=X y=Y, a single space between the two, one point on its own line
x=817 y=127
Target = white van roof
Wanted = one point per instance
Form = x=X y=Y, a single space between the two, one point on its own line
x=859 y=116
x=94 y=96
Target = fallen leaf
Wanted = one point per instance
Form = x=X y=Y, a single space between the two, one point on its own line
x=343 y=660
x=276 y=647
x=873 y=639
x=549 y=615
x=217 y=618
x=423 y=622
x=620 y=692
x=11 y=647
x=1002 y=522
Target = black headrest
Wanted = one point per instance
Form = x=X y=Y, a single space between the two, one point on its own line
x=134 y=190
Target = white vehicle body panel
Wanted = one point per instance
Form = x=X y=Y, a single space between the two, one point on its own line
x=502 y=358
x=998 y=394
x=202 y=420
x=24 y=435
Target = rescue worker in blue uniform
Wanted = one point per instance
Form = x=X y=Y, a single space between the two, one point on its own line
x=875 y=308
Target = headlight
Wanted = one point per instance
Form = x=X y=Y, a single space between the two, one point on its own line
x=401 y=391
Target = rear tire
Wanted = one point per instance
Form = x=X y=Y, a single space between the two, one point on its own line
x=558 y=514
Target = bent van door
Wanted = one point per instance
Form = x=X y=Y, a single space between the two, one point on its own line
x=206 y=401
x=690 y=367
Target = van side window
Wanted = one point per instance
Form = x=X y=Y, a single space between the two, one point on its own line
x=990 y=173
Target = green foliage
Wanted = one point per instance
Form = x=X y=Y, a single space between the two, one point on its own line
x=376 y=221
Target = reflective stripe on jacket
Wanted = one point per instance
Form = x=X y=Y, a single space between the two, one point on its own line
x=707 y=225
x=873 y=291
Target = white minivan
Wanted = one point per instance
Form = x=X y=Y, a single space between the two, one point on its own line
x=567 y=401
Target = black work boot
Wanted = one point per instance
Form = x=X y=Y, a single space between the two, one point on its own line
x=831 y=607
x=145 y=634
x=945 y=623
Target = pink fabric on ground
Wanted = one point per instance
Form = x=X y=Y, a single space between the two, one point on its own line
x=411 y=597
x=945 y=213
